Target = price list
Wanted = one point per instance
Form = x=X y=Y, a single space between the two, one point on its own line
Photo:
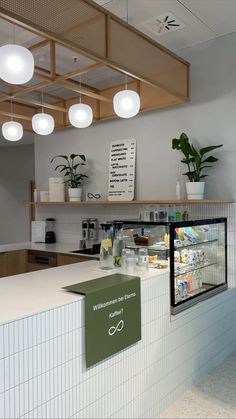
x=122 y=170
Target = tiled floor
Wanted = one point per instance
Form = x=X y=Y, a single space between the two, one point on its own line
x=213 y=397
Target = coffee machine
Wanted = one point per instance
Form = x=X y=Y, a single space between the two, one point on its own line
x=50 y=236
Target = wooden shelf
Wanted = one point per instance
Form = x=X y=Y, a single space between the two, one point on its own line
x=145 y=202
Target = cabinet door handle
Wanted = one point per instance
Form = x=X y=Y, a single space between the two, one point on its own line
x=41 y=259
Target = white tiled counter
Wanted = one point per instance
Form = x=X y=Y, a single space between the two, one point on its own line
x=42 y=360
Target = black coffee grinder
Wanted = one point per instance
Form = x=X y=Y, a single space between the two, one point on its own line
x=50 y=234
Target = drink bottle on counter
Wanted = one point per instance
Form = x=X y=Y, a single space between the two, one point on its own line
x=106 y=251
x=118 y=244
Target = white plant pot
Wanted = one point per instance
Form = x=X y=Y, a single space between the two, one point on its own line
x=195 y=190
x=74 y=194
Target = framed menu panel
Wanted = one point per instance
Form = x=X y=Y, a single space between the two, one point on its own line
x=122 y=170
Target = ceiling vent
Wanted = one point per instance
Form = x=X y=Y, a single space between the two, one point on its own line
x=164 y=23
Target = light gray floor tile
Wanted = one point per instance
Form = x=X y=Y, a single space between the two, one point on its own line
x=212 y=397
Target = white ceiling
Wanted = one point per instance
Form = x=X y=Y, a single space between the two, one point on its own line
x=203 y=19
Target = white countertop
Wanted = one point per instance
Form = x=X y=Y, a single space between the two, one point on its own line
x=30 y=293
x=65 y=248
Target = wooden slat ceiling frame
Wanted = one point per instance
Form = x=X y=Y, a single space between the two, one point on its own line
x=51 y=77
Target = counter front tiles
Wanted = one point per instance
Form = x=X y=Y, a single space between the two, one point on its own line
x=47 y=350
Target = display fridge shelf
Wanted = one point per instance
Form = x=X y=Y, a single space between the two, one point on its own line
x=205 y=287
x=195 y=269
x=196 y=244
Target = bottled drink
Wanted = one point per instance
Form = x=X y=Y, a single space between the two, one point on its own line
x=146 y=214
x=178 y=216
x=170 y=213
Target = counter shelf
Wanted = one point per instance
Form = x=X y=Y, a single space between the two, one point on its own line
x=205 y=256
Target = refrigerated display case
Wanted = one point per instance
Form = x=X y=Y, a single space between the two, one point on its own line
x=194 y=252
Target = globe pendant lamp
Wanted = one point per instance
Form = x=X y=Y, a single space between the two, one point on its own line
x=43 y=123
x=12 y=131
x=80 y=115
x=17 y=64
x=126 y=103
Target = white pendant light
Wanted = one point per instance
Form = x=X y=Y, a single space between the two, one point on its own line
x=12 y=131
x=17 y=64
x=126 y=103
x=80 y=115
x=43 y=123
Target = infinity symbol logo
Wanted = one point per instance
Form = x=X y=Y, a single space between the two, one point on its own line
x=94 y=196
x=117 y=328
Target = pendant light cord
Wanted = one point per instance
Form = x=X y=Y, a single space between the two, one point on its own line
x=80 y=88
x=11 y=111
x=127 y=21
x=42 y=102
x=14 y=33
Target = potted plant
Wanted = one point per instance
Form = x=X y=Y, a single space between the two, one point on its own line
x=71 y=171
x=197 y=162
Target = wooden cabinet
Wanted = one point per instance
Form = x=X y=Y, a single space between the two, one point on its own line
x=3 y=264
x=20 y=261
x=13 y=263
x=38 y=260
x=69 y=259
x=16 y=262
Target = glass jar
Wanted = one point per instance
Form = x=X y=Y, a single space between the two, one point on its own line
x=143 y=259
x=118 y=244
x=106 y=251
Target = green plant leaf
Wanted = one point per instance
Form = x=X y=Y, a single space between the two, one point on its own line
x=202 y=176
x=205 y=150
x=62 y=170
x=61 y=156
x=190 y=175
x=183 y=136
x=81 y=156
x=203 y=167
x=77 y=165
x=210 y=159
x=187 y=161
x=185 y=147
x=68 y=173
x=175 y=144
x=60 y=165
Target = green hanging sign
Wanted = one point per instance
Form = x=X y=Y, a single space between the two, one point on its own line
x=112 y=314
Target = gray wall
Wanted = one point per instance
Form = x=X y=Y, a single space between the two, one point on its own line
x=16 y=170
x=210 y=118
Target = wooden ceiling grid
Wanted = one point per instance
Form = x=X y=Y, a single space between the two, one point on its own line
x=160 y=76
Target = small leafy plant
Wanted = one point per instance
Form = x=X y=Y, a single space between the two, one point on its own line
x=71 y=169
x=196 y=160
